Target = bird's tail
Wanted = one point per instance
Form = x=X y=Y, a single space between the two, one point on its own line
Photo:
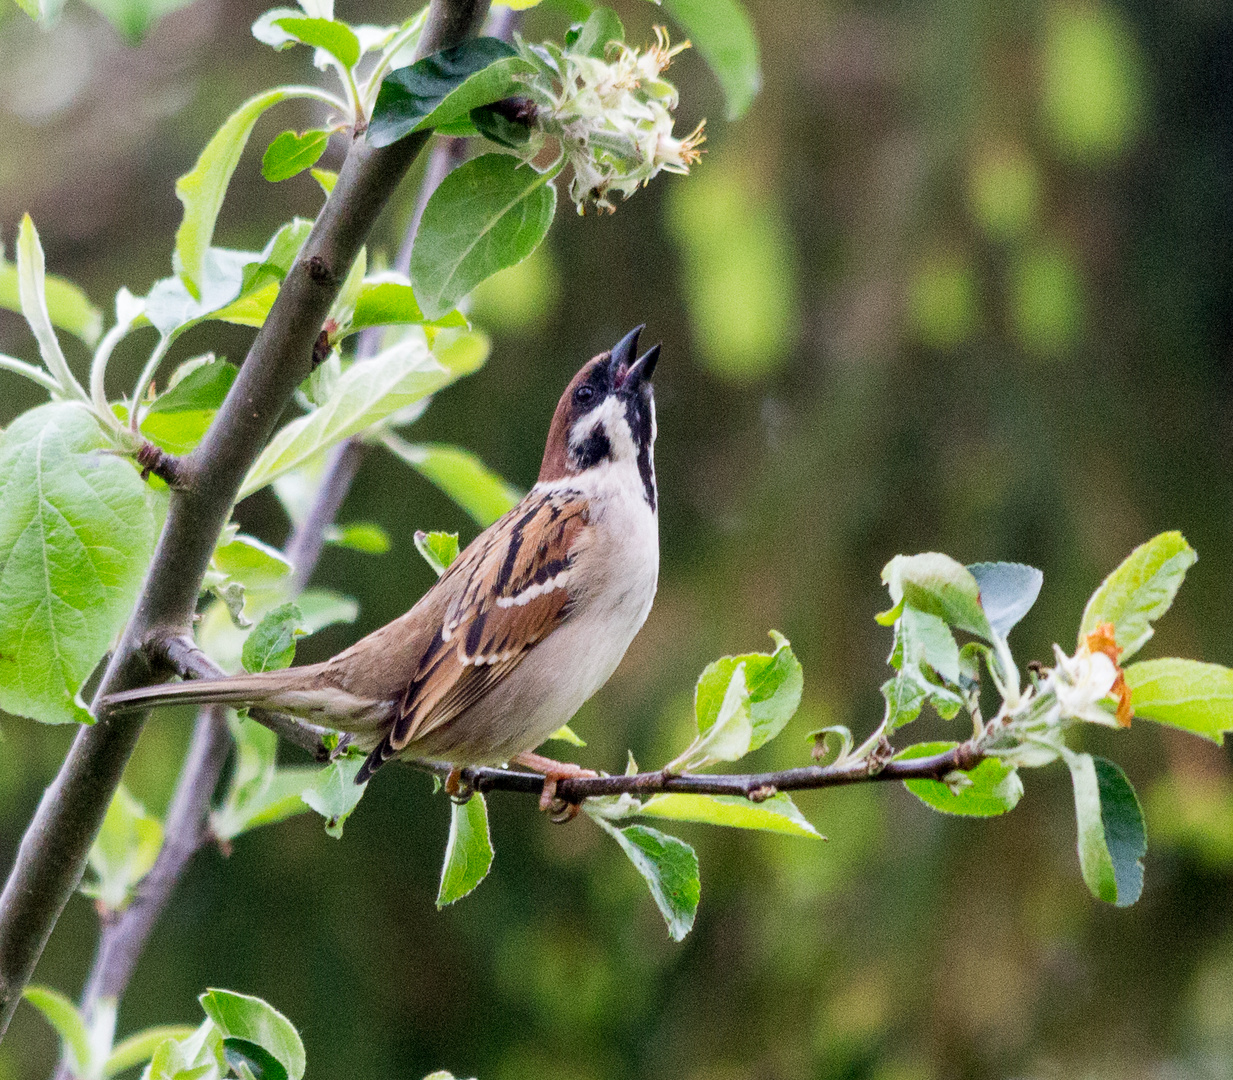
x=259 y=690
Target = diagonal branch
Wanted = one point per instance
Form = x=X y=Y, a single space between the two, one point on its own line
x=52 y=855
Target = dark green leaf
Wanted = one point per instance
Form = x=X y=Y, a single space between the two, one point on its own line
x=1186 y=694
x=493 y=124
x=336 y=38
x=669 y=867
x=1007 y=592
x=178 y=418
x=722 y=32
x=488 y=214
x=1139 y=591
x=290 y=154
x=271 y=644
x=410 y=95
x=468 y=854
x=995 y=787
x=257 y=1059
x=1112 y=836
x=438 y=548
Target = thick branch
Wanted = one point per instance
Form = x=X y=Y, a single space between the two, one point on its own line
x=52 y=855
x=754 y=786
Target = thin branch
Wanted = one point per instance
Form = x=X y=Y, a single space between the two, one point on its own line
x=753 y=786
x=53 y=851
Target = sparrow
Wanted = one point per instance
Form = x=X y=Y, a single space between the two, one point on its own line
x=524 y=626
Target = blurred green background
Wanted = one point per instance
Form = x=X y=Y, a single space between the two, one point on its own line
x=962 y=280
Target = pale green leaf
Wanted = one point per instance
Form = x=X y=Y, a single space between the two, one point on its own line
x=774 y=680
x=139 y=1048
x=362 y=536
x=31 y=288
x=387 y=299
x=124 y=850
x=62 y=1014
x=939 y=585
x=723 y=33
x=336 y=38
x=202 y=189
x=566 y=734
x=1186 y=694
x=776 y=814
x=244 y=1017
x=68 y=307
x=66 y=582
x=461 y=475
x=438 y=548
x=1139 y=591
x=271 y=645
x=486 y=215
x=995 y=787
x=335 y=793
x=468 y=854
x=366 y=394
x=251 y=562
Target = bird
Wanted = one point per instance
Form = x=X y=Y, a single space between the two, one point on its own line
x=526 y=624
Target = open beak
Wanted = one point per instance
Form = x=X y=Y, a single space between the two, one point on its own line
x=623 y=353
x=627 y=373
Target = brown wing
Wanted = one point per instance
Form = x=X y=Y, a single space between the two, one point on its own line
x=512 y=591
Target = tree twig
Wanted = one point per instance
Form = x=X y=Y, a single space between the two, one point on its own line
x=52 y=855
x=754 y=786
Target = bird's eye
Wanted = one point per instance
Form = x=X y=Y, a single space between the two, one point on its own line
x=584 y=394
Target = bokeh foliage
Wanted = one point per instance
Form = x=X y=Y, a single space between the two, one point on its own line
x=998 y=238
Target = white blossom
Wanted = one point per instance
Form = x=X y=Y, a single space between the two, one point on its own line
x=1080 y=683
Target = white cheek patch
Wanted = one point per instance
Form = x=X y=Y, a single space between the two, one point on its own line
x=610 y=414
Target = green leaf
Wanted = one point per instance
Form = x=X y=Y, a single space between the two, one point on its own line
x=243 y=1017
x=290 y=154
x=774 y=681
x=776 y=814
x=273 y=795
x=271 y=645
x=336 y=38
x=68 y=307
x=254 y=564
x=202 y=189
x=468 y=854
x=32 y=292
x=924 y=641
x=366 y=394
x=1139 y=591
x=326 y=178
x=66 y=584
x=1186 y=694
x=669 y=867
x=360 y=536
x=1112 y=836
x=62 y=1014
x=322 y=608
x=178 y=419
x=995 y=787
x=602 y=27
x=139 y=1048
x=248 y=1059
x=722 y=32
x=494 y=125
x=133 y=19
x=389 y=300
x=1007 y=592
x=488 y=214
x=939 y=585
x=335 y=793
x=124 y=850
x=566 y=734
x=438 y=548
x=441 y=87
x=904 y=700
x=461 y=475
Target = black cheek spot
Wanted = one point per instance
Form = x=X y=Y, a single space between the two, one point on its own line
x=594 y=450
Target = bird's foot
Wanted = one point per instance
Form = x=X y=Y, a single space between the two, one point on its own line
x=457 y=787
x=554 y=772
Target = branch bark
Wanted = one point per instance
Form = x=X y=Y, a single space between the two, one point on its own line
x=52 y=855
x=753 y=786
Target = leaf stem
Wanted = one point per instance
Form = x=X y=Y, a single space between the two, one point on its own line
x=144 y=379
x=34 y=374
